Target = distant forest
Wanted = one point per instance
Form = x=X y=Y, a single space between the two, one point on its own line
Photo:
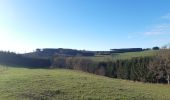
x=50 y=52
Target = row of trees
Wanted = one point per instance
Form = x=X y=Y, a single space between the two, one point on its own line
x=160 y=66
x=10 y=58
x=50 y=52
x=135 y=69
x=154 y=69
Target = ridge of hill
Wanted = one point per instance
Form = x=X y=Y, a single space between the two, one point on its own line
x=50 y=52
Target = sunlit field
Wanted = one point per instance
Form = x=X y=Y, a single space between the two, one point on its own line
x=60 y=84
x=121 y=56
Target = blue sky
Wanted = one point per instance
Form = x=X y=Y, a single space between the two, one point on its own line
x=83 y=24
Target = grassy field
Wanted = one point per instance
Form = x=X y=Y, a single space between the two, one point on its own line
x=60 y=84
x=116 y=56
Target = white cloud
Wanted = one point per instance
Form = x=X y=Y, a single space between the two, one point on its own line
x=159 y=30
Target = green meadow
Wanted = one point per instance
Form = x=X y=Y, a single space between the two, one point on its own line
x=62 y=84
x=120 y=56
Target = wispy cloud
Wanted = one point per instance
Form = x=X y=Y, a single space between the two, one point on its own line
x=159 y=30
x=167 y=16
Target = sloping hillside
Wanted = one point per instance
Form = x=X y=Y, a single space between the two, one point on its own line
x=59 y=84
x=127 y=55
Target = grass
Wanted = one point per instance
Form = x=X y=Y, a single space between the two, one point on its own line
x=60 y=84
x=129 y=55
x=116 y=56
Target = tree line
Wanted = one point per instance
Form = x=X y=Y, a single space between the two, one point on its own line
x=154 y=69
x=10 y=58
x=134 y=69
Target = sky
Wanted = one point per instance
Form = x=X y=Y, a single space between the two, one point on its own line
x=83 y=24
